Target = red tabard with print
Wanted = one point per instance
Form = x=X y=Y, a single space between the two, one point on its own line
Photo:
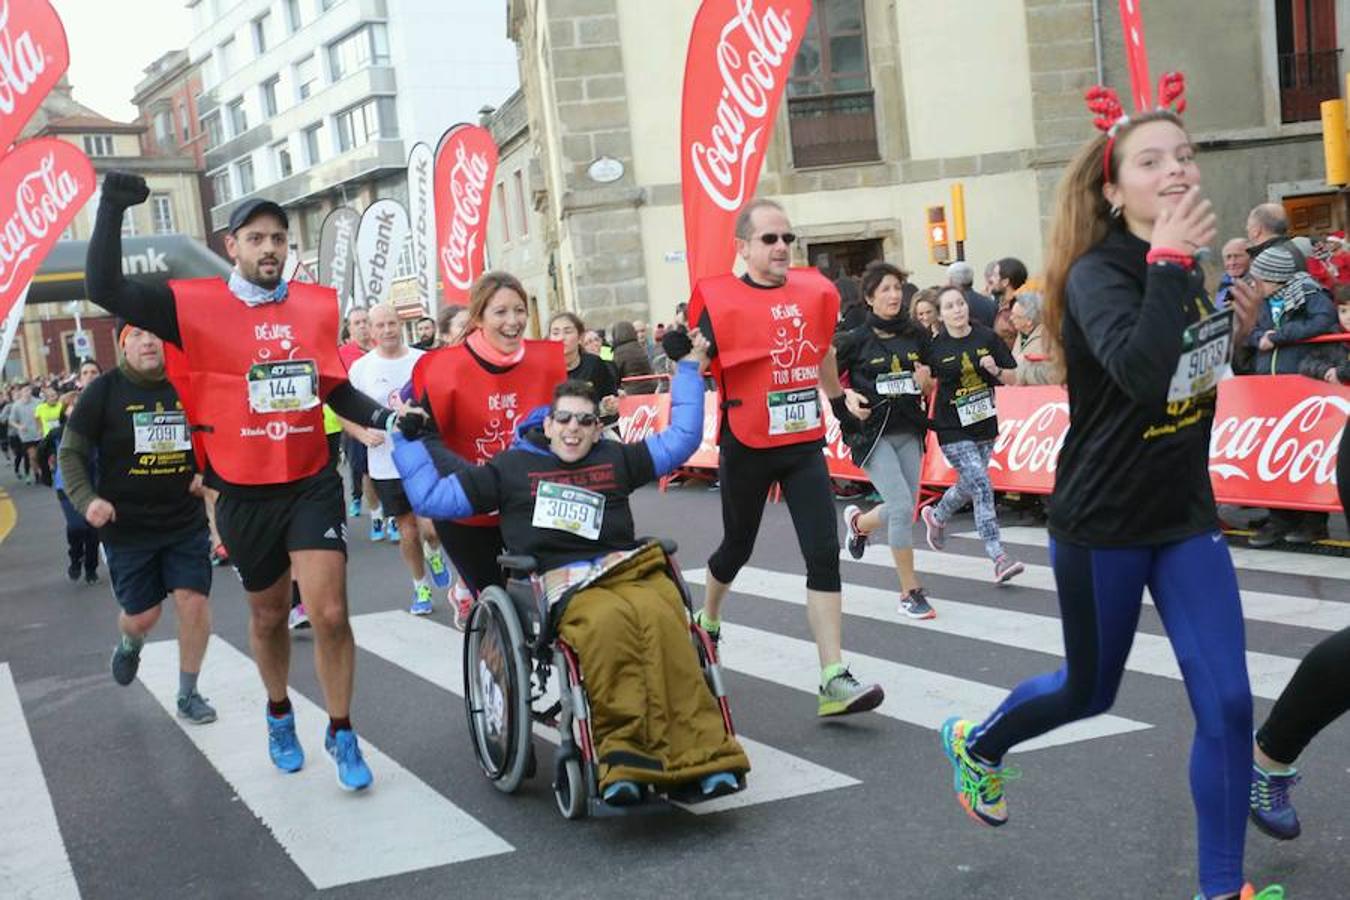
x=770 y=342
x=253 y=378
x=476 y=411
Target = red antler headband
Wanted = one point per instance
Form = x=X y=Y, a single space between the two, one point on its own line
x=1108 y=115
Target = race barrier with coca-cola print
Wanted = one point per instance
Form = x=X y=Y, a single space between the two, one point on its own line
x=466 y=159
x=1273 y=445
x=737 y=64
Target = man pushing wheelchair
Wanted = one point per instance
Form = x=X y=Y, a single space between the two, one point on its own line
x=562 y=493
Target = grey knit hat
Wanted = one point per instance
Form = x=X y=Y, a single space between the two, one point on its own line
x=1274 y=264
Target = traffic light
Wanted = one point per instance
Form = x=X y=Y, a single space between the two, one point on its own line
x=1334 y=142
x=936 y=232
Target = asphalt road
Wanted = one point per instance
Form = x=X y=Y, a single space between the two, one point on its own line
x=105 y=794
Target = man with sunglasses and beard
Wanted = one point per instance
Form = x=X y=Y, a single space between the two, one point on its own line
x=769 y=334
x=563 y=497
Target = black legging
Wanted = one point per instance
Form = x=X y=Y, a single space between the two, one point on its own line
x=81 y=537
x=20 y=452
x=746 y=475
x=1319 y=692
x=473 y=551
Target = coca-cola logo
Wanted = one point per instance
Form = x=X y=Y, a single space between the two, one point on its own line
x=43 y=184
x=464 y=168
x=1300 y=444
x=750 y=55
x=639 y=423
x=1031 y=443
x=739 y=55
x=33 y=57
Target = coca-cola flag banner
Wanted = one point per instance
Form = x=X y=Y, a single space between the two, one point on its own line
x=43 y=184
x=1136 y=52
x=1273 y=445
x=740 y=52
x=466 y=161
x=33 y=57
x=337 y=253
x=422 y=219
x=380 y=241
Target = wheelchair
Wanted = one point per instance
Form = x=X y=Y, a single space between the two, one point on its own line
x=510 y=655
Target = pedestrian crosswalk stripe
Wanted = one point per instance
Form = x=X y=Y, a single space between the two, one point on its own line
x=34 y=862
x=917 y=696
x=434 y=653
x=1258 y=606
x=1278 y=562
x=399 y=825
x=1151 y=655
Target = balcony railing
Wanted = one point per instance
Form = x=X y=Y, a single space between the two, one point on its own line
x=1306 y=79
x=832 y=129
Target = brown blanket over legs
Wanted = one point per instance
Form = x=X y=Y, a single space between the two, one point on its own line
x=652 y=715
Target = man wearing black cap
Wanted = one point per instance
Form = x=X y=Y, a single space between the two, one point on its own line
x=254 y=360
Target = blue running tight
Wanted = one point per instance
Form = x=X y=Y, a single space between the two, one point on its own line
x=1196 y=592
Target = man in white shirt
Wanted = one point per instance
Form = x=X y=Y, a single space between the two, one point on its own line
x=380 y=375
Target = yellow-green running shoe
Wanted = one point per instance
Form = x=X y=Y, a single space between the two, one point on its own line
x=979 y=788
x=843 y=694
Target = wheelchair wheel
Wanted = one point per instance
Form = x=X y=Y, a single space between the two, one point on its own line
x=497 y=690
x=569 y=789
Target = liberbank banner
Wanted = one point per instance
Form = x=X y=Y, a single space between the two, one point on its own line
x=1273 y=445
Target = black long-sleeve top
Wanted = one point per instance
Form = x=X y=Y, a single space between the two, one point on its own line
x=1134 y=468
x=150 y=306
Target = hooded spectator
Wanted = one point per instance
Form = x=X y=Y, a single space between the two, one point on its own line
x=630 y=359
x=1296 y=308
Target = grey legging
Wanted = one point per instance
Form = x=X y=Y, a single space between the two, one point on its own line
x=893 y=468
x=970 y=459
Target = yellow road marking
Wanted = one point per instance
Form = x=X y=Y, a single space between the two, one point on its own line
x=9 y=515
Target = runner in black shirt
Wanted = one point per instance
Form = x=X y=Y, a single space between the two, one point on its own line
x=969 y=361
x=1132 y=506
x=145 y=499
x=886 y=361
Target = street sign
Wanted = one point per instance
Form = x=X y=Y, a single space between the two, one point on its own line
x=84 y=348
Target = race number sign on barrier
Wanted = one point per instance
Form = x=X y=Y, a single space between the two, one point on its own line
x=1273 y=445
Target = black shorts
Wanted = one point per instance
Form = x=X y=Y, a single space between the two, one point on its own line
x=261 y=533
x=143 y=576
x=392 y=499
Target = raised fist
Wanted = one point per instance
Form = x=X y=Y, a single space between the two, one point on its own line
x=124 y=189
x=413 y=423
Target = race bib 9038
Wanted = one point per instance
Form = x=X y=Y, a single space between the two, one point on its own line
x=1207 y=351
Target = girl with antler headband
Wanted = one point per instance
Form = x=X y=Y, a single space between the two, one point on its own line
x=1143 y=348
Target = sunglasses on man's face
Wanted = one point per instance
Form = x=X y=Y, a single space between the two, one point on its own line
x=770 y=239
x=563 y=416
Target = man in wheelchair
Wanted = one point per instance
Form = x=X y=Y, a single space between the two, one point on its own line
x=562 y=493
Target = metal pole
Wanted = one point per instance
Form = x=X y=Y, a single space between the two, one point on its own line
x=1097 y=40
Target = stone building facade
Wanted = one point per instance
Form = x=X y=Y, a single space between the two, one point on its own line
x=890 y=103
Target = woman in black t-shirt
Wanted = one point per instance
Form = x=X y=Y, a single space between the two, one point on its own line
x=567 y=328
x=884 y=418
x=968 y=361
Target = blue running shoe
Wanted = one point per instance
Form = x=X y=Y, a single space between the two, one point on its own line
x=376 y=528
x=282 y=743
x=391 y=530
x=1272 y=812
x=623 y=793
x=354 y=508
x=352 y=772
x=440 y=575
x=421 y=605
x=718 y=784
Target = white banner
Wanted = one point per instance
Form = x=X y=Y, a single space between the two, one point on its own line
x=11 y=328
x=380 y=240
x=422 y=216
